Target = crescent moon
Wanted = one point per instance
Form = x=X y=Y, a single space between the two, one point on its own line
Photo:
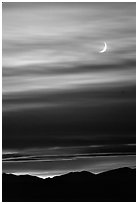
x=105 y=48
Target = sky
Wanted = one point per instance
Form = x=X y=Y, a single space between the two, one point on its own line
x=66 y=106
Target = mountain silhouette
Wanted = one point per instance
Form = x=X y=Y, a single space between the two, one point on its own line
x=117 y=185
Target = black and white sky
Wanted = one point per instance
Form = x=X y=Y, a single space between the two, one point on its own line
x=67 y=107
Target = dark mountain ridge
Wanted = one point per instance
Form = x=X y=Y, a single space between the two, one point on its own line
x=117 y=185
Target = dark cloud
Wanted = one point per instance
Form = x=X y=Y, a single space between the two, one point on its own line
x=68 y=152
x=103 y=119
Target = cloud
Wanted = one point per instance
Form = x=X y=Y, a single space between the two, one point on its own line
x=48 y=168
x=38 y=34
x=59 y=92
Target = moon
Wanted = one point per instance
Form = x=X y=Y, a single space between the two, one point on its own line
x=104 y=49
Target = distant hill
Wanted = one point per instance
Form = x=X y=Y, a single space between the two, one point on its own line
x=117 y=185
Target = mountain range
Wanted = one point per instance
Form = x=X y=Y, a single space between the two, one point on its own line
x=118 y=185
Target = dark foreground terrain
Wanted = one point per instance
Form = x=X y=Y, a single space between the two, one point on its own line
x=116 y=185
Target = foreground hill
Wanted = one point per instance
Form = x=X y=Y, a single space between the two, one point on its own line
x=115 y=185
